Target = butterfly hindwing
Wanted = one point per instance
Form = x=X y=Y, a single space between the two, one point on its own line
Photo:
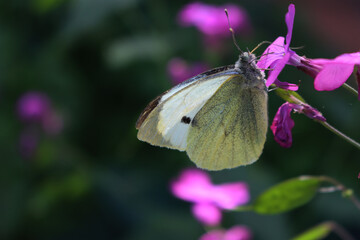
x=230 y=129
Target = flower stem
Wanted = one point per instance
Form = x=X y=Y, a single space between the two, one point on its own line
x=340 y=134
x=341 y=232
x=322 y=230
x=345 y=191
x=350 y=89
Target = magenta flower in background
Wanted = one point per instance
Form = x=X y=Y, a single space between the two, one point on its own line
x=195 y=186
x=36 y=112
x=207 y=213
x=283 y=123
x=33 y=106
x=36 y=108
x=234 y=233
x=179 y=70
x=211 y=20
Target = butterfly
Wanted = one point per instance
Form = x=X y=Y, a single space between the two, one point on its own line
x=218 y=117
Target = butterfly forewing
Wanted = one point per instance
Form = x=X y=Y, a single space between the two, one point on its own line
x=166 y=120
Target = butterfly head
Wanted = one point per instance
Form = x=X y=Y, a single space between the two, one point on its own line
x=245 y=58
x=246 y=65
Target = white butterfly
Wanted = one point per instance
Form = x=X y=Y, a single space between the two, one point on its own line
x=218 y=117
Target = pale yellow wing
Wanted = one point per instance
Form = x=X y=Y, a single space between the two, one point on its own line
x=230 y=129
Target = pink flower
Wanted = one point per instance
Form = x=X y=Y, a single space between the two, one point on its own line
x=195 y=186
x=283 y=124
x=36 y=112
x=211 y=20
x=179 y=70
x=329 y=74
x=278 y=54
x=33 y=106
x=36 y=108
x=234 y=233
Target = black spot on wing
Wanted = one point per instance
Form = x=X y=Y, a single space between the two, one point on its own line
x=185 y=120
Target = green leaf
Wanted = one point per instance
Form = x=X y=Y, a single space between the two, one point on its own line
x=315 y=233
x=286 y=195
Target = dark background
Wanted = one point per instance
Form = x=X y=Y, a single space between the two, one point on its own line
x=100 y=62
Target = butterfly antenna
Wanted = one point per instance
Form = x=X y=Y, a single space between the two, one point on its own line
x=265 y=54
x=301 y=47
x=259 y=45
x=232 y=31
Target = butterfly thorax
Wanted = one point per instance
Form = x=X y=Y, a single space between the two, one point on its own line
x=246 y=65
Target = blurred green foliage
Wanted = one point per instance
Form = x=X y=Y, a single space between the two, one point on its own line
x=101 y=62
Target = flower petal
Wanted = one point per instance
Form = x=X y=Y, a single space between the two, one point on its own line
x=207 y=213
x=231 y=195
x=238 y=233
x=211 y=20
x=217 y=234
x=235 y=233
x=193 y=185
x=311 y=112
x=282 y=125
x=332 y=76
x=358 y=79
x=289 y=19
x=346 y=58
x=272 y=53
x=280 y=64
x=286 y=85
x=179 y=70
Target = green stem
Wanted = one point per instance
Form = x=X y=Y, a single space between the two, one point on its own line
x=350 y=89
x=322 y=230
x=345 y=191
x=340 y=231
x=340 y=134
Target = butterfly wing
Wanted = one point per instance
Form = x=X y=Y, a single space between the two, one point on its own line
x=166 y=121
x=230 y=129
